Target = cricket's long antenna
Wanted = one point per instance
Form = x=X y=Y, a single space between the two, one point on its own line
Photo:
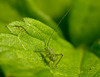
x=58 y=24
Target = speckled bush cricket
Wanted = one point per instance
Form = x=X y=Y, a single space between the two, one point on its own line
x=50 y=54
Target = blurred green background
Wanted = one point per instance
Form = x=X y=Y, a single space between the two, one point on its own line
x=81 y=26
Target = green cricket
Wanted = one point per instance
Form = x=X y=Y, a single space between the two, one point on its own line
x=50 y=53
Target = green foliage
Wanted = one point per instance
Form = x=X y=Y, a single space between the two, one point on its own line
x=20 y=41
x=54 y=8
x=7 y=15
x=19 y=55
x=12 y=10
x=84 y=25
x=95 y=48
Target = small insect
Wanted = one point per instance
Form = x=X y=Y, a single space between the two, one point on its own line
x=50 y=54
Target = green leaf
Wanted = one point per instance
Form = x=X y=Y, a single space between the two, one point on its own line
x=19 y=55
x=12 y=10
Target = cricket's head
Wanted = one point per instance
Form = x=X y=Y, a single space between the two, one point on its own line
x=48 y=49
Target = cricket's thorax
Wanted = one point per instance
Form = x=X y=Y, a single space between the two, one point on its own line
x=51 y=54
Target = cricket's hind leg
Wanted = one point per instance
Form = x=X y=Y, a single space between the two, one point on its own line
x=57 y=59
